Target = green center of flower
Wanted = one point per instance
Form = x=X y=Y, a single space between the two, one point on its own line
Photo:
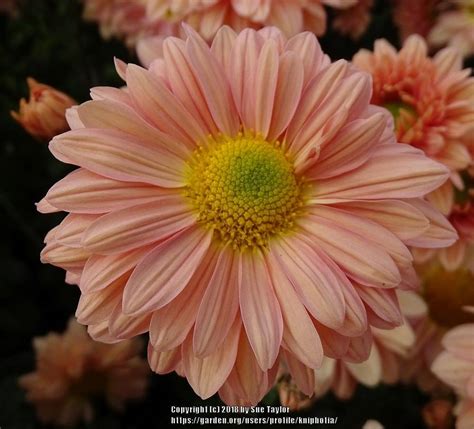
x=395 y=108
x=244 y=188
x=446 y=293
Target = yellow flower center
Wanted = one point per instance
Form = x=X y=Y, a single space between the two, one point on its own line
x=244 y=188
x=446 y=293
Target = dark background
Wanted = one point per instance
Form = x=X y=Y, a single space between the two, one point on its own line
x=49 y=41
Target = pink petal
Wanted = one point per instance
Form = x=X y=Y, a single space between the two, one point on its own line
x=117 y=116
x=70 y=231
x=222 y=45
x=306 y=46
x=162 y=108
x=390 y=173
x=362 y=260
x=67 y=258
x=266 y=78
x=118 y=156
x=460 y=341
x=369 y=373
x=299 y=333
x=383 y=302
x=334 y=344
x=137 y=226
x=218 y=306
x=440 y=232
x=165 y=271
x=318 y=287
x=84 y=192
x=287 y=95
x=207 y=375
x=214 y=85
x=359 y=348
x=402 y=218
x=96 y=307
x=124 y=327
x=350 y=148
x=100 y=270
x=184 y=83
x=366 y=229
x=171 y=324
x=260 y=309
x=163 y=362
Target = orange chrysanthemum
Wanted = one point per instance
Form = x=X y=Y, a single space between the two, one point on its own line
x=72 y=370
x=244 y=204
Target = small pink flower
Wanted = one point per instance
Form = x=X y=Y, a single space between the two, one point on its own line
x=72 y=370
x=245 y=205
x=43 y=115
x=455 y=27
x=455 y=367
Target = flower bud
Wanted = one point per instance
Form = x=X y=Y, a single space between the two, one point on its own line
x=43 y=116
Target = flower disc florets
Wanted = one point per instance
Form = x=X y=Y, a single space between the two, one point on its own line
x=244 y=188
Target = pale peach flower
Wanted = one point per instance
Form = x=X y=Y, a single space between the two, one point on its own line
x=72 y=370
x=43 y=115
x=415 y=16
x=126 y=20
x=207 y=16
x=455 y=367
x=446 y=294
x=455 y=27
x=245 y=205
x=382 y=365
x=431 y=99
x=354 y=20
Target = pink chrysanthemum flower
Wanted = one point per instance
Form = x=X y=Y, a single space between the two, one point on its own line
x=455 y=367
x=382 y=365
x=354 y=21
x=446 y=294
x=415 y=17
x=72 y=370
x=455 y=27
x=125 y=19
x=432 y=100
x=207 y=16
x=239 y=202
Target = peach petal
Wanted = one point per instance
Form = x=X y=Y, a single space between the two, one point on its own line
x=388 y=174
x=440 y=232
x=266 y=78
x=350 y=148
x=460 y=341
x=165 y=271
x=127 y=229
x=95 y=307
x=214 y=87
x=118 y=156
x=69 y=232
x=383 y=302
x=161 y=107
x=287 y=95
x=359 y=348
x=123 y=327
x=364 y=261
x=100 y=270
x=315 y=282
x=260 y=309
x=222 y=46
x=369 y=373
x=219 y=305
x=334 y=344
x=84 y=192
x=399 y=217
x=164 y=362
x=171 y=324
x=184 y=83
x=207 y=375
x=299 y=333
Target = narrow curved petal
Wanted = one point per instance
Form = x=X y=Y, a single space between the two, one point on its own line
x=260 y=309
